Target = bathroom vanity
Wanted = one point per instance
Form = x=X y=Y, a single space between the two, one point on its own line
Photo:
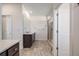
x=9 y=47
x=28 y=39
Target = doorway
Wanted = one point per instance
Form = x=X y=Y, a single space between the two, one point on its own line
x=50 y=29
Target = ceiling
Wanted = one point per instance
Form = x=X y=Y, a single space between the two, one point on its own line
x=37 y=9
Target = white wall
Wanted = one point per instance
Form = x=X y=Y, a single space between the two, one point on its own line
x=75 y=30
x=15 y=11
x=0 y=24
x=39 y=26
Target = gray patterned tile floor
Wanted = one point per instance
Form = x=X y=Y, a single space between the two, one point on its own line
x=39 y=48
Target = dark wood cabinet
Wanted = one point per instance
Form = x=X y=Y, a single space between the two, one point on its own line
x=17 y=54
x=28 y=40
x=12 y=51
x=3 y=53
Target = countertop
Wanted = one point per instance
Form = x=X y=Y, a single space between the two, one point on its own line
x=6 y=44
x=29 y=33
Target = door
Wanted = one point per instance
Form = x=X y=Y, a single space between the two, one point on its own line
x=61 y=31
x=64 y=30
x=7 y=27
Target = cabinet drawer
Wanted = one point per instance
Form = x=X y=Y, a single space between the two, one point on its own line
x=13 y=50
x=3 y=53
x=16 y=54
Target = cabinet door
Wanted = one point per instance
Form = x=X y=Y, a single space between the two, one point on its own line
x=17 y=54
x=63 y=30
x=27 y=41
x=13 y=50
x=3 y=53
